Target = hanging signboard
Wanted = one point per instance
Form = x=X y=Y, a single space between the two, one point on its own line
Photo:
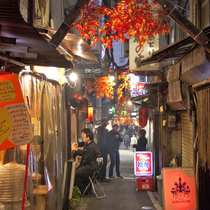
x=143 y=164
x=179 y=189
x=15 y=126
x=137 y=87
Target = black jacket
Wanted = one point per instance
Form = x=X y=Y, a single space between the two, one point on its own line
x=141 y=144
x=114 y=140
x=89 y=155
x=102 y=135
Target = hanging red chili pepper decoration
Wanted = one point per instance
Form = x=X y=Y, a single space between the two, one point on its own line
x=141 y=19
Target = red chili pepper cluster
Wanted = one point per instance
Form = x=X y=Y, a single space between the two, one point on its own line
x=104 y=87
x=141 y=19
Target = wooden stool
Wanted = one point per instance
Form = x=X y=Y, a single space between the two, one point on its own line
x=40 y=193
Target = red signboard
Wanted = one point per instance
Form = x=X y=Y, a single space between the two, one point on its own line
x=179 y=189
x=143 y=164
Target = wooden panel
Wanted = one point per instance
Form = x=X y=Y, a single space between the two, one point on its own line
x=195 y=67
x=173 y=73
x=175 y=99
x=196 y=58
x=187 y=141
x=203 y=125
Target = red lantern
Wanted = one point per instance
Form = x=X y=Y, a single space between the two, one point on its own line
x=143 y=117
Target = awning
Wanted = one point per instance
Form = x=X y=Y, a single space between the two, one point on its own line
x=169 y=55
x=21 y=42
x=83 y=57
x=172 y=53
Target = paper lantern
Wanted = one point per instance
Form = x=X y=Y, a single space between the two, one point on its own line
x=143 y=117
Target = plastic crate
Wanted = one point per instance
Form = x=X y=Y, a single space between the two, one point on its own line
x=144 y=183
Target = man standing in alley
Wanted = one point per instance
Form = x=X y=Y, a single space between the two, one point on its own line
x=102 y=134
x=114 y=140
x=142 y=141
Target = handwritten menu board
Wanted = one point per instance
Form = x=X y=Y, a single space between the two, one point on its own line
x=15 y=125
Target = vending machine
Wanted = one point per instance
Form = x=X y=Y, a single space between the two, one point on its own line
x=143 y=170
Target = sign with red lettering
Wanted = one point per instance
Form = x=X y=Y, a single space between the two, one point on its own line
x=15 y=126
x=143 y=164
x=179 y=189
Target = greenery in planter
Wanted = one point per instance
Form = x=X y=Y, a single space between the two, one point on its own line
x=76 y=198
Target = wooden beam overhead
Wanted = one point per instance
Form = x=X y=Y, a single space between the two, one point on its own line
x=11 y=60
x=187 y=26
x=69 y=20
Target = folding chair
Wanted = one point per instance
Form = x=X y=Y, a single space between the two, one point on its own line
x=96 y=187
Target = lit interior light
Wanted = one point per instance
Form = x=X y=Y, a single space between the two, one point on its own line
x=111 y=78
x=73 y=77
x=129 y=103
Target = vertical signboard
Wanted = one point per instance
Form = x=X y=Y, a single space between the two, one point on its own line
x=179 y=189
x=15 y=126
x=143 y=164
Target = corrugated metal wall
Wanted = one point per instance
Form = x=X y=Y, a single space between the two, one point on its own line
x=176 y=142
x=187 y=141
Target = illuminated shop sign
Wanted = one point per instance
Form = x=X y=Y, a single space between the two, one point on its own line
x=136 y=86
x=143 y=164
x=179 y=189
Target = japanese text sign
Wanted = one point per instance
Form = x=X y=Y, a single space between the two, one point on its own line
x=143 y=164
x=179 y=189
x=15 y=126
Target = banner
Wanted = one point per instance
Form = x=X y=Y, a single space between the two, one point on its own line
x=143 y=164
x=179 y=189
x=15 y=126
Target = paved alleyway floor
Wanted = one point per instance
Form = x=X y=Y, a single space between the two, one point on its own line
x=120 y=193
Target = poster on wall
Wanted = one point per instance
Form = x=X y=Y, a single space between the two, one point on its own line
x=143 y=164
x=179 y=189
x=15 y=125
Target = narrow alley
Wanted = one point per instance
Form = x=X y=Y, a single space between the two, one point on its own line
x=104 y=104
x=121 y=194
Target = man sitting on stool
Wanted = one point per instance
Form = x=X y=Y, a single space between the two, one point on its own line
x=88 y=164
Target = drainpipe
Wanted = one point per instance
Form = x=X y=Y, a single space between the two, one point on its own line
x=187 y=26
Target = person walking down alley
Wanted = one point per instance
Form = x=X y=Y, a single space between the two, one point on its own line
x=114 y=140
x=142 y=141
x=88 y=164
x=102 y=134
